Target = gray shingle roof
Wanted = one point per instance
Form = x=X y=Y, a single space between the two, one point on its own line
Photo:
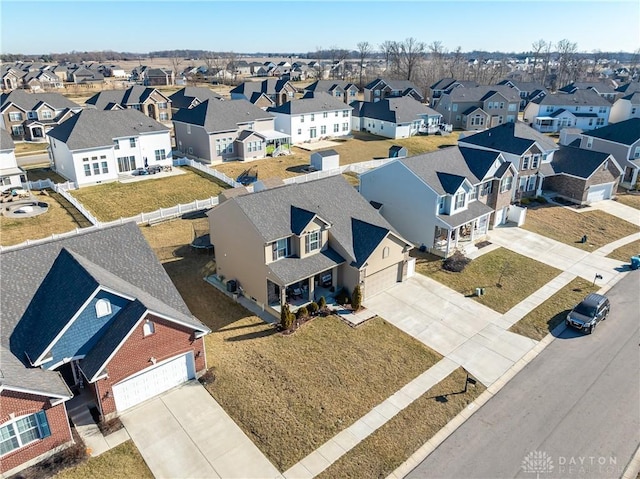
x=131 y=96
x=216 y=115
x=580 y=97
x=630 y=87
x=318 y=103
x=446 y=83
x=185 y=96
x=6 y=142
x=291 y=270
x=270 y=86
x=577 y=161
x=625 y=132
x=400 y=85
x=95 y=128
x=482 y=93
x=527 y=86
x=28 y=101
x=600 y=87
x=515 y=138
x=634 y=98
x=404 y=109
x=474 y=210
x=329 y=85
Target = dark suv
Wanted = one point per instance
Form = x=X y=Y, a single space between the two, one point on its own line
x=589 y=312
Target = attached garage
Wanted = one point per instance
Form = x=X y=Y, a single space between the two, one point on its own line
x=599 y=192
x=382 y=280
x=153 y=381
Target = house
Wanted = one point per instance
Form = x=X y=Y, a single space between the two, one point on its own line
x=227 y=130
x=605 y=90
x=324 y=160
x=625 y=107
x=191 y=96
x=628 y=88
x=95 y=146
x=479 y=108
x=149 y=101
x=528 y=91
x=296 y=243
x=584 y=109
x=41 y=80
x=582 y=176
x=83 y=75
x=447 y=84
x=310 y=119
x=29 y=116
x=278 y=91
x=382 y=88
x=11 y=78
x=10 y=174
x=527 y=149
x=461 y=193
x=622 y=141
x=93 y=314
x=399 y=117
x=159 y=77
x=347 y=92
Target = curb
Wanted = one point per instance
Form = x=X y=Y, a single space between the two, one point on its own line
x=432 y=444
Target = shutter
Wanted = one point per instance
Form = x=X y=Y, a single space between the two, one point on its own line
x=41 y=417
x=306 y=243
x=274 y=251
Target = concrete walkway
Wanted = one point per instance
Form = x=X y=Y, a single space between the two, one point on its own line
x=185 y=433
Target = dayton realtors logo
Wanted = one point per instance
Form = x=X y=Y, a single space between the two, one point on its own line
x=540 y=463
x=537 y=462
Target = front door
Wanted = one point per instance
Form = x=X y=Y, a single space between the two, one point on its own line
x=312 y=132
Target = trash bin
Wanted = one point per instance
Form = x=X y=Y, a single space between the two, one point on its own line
x=232 y=285
x=635 y=262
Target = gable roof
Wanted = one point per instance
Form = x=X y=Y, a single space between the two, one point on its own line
x=600 y=87
x=515 y=138
x=482 y=93
x=270 y=86
x=330 y=85
x=403 y=109
x=579 y=97
x=527 y=86
x=6 y=142
x=28 y=101
x=634 y=98
x=319 y=102
x=626 y=132
x=215 y=115
x=94 y=128
x=131 y=96
x=184 y=97
x=398 y=85
x=630 y=87
x=577 y=161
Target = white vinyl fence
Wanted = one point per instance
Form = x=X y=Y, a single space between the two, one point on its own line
x=353 y=168
x=206 y=169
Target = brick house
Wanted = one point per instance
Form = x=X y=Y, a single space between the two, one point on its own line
x=149 y=101
x=93 y=314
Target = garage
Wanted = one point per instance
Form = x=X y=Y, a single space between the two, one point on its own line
x=599 y=192
x=382 y=280
x=151 y=382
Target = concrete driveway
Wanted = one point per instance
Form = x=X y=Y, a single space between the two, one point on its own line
x=185 y=433
x=459 y=328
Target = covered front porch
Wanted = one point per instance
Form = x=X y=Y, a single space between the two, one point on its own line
x=277 y=143
x=631 y=174
x=462 y=230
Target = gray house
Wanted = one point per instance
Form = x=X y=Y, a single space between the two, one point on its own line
x=148 y=100
x=344 y=90
x=382 y=88
x=277 y=91
x=192 y=96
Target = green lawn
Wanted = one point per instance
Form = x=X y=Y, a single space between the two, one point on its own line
x=507 y=277
x=111 y=201
x=624 y=253
x=121 y=462
x=543 y=319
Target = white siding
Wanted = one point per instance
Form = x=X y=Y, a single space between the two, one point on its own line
x=622 y=110
x=291 y=124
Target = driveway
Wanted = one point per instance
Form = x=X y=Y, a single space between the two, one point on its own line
x=185 y=433
x=459 y=328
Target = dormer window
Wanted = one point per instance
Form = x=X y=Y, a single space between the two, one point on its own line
x=280 y=249
x=312 y=241
x=148 y=328
x=460 y=200
x=103 y=308
x=486 y=188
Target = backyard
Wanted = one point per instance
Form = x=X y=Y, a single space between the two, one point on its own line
x=569 y=226
x=35 y=174
x=28 y=147
x=507 y=277
x=111 y=201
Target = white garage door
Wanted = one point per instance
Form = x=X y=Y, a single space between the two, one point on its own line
x=152 y=382
x=599 y=192
x=380 y=281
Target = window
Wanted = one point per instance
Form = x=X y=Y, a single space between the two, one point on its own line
x=148 y=328
x=600 y=122
x=15 y=116
x=164 y=116
x=500 y=120
x=345 y=127
x=299 y=131
x=511 y=118
x=345 y=113
x=301 y=118
x=605 y=165
x=116 y=144
x=590 y=108
x=385 y=252
x=280 y=249
x=323 y=129
x=549 y=109
x=96 y=168
x=633 y=111
x=460 y=200
x=188 y=129
x=536 y=161
x=473 y=194
x=325 y=115
x=522 y=183
x=132 y=142
x=455 y=107
x=336 y=113
x=17 y=130
x=160 y=155
x=313 y=117
x=162 y=105
x=103 y=308
x=136 y=107
x=477 y=120
x=105 y=168
x=636 y=152
x=312 y=241
x=87 y=169
x=487 y=188
x=577 y=108
x=506 y=183
x=525 y=162
x=441 y=203
x=22 y=431
x=223 y=146
x=602 y=109
x=531 y=184
x=46 y=114
x=513 y=106
x=336 y=128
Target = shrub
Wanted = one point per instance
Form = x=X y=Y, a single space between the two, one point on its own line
x=313 y=308
x=286 y=317
x=302 y=313
x=541 y=199
x=525 y=201
x=322 y=302
x=356 y=298
x=456 y=262
x=342 y=297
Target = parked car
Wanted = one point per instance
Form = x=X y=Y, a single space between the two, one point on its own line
x=589 y=312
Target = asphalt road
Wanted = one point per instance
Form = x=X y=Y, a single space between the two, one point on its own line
x=576 y=406
x=32 y=159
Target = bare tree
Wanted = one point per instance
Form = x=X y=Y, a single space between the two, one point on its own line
x=566 y=57
x=386 y=48
x=175 y=65
x=406 y=56
x=537 y=46
x=437 y=59
x=364 y=50
x=546 y=58
x=456 y=63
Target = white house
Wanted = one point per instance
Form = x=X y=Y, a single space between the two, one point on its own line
x=10 y=173
x=95 y=146
x=313 y=118
x=625 y=108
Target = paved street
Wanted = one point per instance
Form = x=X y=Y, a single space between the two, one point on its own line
x=576 y=404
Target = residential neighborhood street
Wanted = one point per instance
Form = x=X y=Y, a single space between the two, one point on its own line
x=576 y=404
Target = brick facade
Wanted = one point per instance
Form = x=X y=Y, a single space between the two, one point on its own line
x=168 y=340
x=576 y=189
x=496 y=199
x=22 y=404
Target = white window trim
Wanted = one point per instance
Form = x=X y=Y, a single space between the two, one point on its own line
x=103 y=308
x=44 y=430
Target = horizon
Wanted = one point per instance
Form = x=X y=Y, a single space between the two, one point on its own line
x=338 y=24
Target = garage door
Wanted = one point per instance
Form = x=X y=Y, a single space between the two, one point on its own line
x=380 y=281
x=599 y=192
x=152 y=382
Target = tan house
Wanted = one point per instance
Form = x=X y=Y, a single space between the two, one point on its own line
x=148 y=100
x=296 y=243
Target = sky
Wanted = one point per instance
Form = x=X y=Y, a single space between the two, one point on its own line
x=304 y=26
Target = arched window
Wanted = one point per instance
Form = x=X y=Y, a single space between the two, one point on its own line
x=103 y=307
x=148 y=328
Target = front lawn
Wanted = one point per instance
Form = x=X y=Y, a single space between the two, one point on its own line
x=121 y=462
x=629 y=199
x=111 y=201
x=568 y=226
x=393 y=443
x=624 y=253
x=543 y=319
x=506 y=277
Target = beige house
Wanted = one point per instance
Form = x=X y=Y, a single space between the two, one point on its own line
x=293 y=244
x=148 y=100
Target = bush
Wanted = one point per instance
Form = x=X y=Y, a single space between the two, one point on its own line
x=542 y=200
x=356 y=298
x=286 y=317
x=322 y=302
x=456 y=262
x=302 y=313
x=342 y=297
x=313 y=308
x=525 y=201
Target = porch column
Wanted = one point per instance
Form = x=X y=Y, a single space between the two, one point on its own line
x=448 y=243
x=312 y=288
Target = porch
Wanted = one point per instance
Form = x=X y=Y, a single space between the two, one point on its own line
x=462 y=230
x=277 y=143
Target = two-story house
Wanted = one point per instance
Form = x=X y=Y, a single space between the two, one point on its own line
x=479 y=108
x=192 y=96
x=527 y=90
x=11 y=175
x=527 y=149
x=95 y=146
x=400 y=117
x=382 y=88
x=29 y=116
x=447 y=84
x=295 y=243
x=95 y=311
x=625 y=108
x=149 y=101
x=461 y=193
x=346 y=91
x=264 y=93
x=313 y=118
x=584 y=109
x=218 y=131
x=605 y=89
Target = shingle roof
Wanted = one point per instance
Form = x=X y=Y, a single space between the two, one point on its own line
x=630 y=87
x=6 y=142
x=404 y=109
x=580 y=97
x=634 y=98
x=482 y=93
x=515 y=138
x=185 y=96
x=131 y=96
x=216 y=115
x=577 y=161
x=28 y=101
x=329 y=85
x=529 y=86
x=94 y=128
x=600 y=87
x=318 y=103
x=400 y=85
x=474 y=210
x=626 y=132
x=270 y=86
x=291 y=270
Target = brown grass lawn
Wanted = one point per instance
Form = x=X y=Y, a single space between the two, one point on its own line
x=290 y=394
x=568 y=226
x=624 y=253
x=35 y=174
x=352 y=178
x=60 y=218
x=363 y=147
x=29 y=147
x=121 y=462
x=111 y=201
x=517 y=275
x=629 y=200
x=388 y=447
x=543 y=319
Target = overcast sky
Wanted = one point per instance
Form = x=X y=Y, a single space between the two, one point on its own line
x=302 y=26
